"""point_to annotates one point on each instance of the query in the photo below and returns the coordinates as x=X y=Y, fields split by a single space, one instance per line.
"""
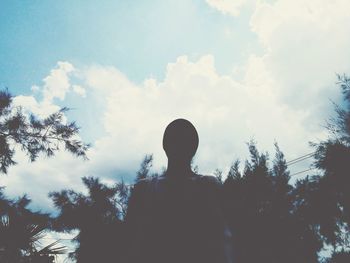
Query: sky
x=237 y=69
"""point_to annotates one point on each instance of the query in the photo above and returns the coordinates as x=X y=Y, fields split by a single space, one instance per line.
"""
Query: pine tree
x=333 y=158
x=33 y=135
x=263 y=214
x=96 y=216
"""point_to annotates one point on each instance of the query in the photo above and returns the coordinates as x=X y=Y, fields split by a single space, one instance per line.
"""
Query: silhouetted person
x=177 y=217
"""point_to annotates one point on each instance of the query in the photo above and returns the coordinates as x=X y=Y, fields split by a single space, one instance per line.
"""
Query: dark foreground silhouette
x=177 y=217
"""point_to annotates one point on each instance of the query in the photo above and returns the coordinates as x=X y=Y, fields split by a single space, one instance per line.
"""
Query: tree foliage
x=262 y=211
x=22 y=232
x=333 y=158
x=33 y=135
x=97 y=217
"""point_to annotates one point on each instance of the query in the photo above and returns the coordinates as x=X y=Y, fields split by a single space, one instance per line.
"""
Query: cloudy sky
x=238 y=69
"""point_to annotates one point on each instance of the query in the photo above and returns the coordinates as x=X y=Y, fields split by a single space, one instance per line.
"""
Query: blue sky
x=137 y=37
x=238 y=70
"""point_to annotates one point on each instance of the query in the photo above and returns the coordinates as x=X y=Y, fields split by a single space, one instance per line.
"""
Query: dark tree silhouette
x=340 y=257
x=263 y=213
x=34 y=135
x=96 y=216
x=123 y=193
x=21 y=233
x=145 y=167
x=333 y=196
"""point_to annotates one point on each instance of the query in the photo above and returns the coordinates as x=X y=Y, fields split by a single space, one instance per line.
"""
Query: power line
x=301 y=158
x=303 y=171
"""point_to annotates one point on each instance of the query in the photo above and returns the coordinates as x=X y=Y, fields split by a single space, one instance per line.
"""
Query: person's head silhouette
x=180 y=143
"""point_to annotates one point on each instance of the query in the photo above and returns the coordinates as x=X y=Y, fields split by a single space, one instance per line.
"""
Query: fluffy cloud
x=231 y=7
x=79 y=90
x=55 y=86
x=226 y=113
x=306 y=43
x=31 y=104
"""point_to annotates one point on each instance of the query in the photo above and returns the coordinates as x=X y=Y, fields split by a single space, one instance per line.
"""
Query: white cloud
x=226 y=113
x=56 y=85
x=35 y=88
x=231 y=7
x=79 y=90
x=39 y=178
x=306 y=45
x=41 y=109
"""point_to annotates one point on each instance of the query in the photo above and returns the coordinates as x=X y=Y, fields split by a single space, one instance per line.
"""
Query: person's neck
x=179 y=170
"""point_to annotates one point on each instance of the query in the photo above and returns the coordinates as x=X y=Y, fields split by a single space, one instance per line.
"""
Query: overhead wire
x=300 y=159
x=304 y=171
